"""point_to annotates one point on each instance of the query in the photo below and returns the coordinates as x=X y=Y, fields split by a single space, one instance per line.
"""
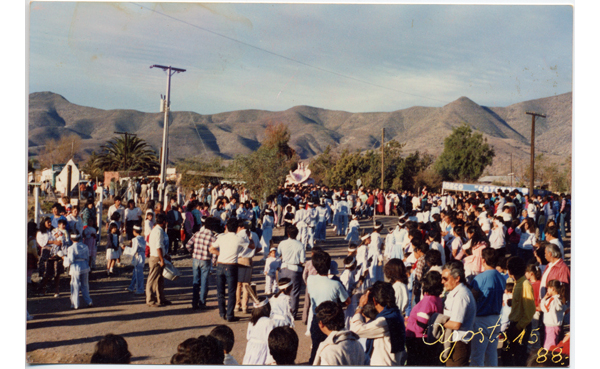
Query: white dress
x=281 y=311
x=257 y=349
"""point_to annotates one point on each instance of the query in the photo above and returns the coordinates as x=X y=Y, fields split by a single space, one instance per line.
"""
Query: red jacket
x=560 y=271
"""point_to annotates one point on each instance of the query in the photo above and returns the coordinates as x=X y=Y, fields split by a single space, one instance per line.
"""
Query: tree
x=465 y=155
x=92 y=167
x=128 y=153
x=264 y=170
x=59 y=151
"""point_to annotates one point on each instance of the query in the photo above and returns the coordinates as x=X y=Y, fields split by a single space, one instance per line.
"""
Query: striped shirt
x=199 y=244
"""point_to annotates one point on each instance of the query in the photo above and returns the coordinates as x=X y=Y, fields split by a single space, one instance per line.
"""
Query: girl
x=113 y=248
x=353 y=234
x=349 y=282
x=272 y=264
x=267 y=231
x=395 y=271
x=148 y=224
x=457 y=242
x=281 y=312
x=89 y=238
x=553 y=306
x=257 y=349
x=527 y=240
x=138 y=245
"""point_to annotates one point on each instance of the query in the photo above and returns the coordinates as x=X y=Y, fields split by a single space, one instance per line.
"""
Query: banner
x=486 y=188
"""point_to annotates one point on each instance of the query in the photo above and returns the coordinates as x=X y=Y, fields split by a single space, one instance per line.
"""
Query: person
x=159 y=245
x=32 y=250
x=204 y=350
x=116 y=208
x=527 y=240
x=249 y=240
x=257 y=348
x=198 y=246
x=395 y=272
x=521 y=315
x=349 y=282
x=50 y=246
x=174 y=223
x=227 y=247
x=293 y=256
x=148 y=223
x=138 y=259
x=461 y=308
x=225 y=335
x=74 y=221
x=556 y=268
x=321 y=288
x=272 y=265
x=78 y=258
x=552 y=237
x=488 y=289
x=111 y=349
x=132 y=216
x=374 y=253
x=386 y=332
x=113 y=248
x=268 y=222
x=283 y=345
x=553 y=305
x=418 y=352
x=89 y=236
x=341 y=347
x=281 y=312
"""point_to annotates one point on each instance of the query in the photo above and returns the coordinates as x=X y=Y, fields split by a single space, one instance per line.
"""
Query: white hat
x=261 y=304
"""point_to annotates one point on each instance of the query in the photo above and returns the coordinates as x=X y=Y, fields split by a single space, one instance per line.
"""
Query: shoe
x=238 y=308
x=91 y=304
x=154 y=305
x=195 y=307
x=128 y=289
x=233 y=319
x=139 y=293
x=56 y=295
x=223 y=317
x=166 y=302
x=245 y=311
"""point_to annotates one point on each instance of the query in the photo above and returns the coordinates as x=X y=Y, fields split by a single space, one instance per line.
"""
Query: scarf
x=395 y=323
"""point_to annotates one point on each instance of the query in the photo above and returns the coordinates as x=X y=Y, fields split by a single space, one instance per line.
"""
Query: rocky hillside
x=508 y=129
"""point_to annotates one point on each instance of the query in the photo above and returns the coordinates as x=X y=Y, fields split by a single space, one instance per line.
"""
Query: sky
x=351 y=57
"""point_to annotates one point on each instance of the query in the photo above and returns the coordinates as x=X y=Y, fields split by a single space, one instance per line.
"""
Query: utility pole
x=167 y=103
x=531 y=173
x=511 y=171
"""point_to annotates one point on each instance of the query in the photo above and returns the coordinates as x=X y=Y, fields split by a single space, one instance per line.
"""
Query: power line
x=285 y=57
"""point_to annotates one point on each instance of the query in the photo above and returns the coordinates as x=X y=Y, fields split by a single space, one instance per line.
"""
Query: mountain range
x=507 y=129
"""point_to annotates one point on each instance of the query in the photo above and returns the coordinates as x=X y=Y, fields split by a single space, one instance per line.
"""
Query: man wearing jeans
x=227 y=247
x=199 y=246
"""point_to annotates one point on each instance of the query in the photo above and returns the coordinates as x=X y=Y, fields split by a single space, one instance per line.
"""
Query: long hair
x=258 y=313
x=561 y=288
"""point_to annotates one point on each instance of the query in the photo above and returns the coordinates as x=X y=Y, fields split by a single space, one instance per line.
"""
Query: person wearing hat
x=138 y=246
x=342 y=209
x=322 y=219
x=77 y=258
x=353 y=235
x=374 y=253
x=300 y=221
x=311 y=221
x=281 y=312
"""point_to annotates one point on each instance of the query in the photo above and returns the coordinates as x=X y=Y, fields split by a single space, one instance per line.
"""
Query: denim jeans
x=200 y=268
x=226 y=274
x=137 y=279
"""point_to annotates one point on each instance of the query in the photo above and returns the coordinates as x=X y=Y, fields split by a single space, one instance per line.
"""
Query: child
x=353 y=234
x=272 y=265
x=77 y=258
x=506 y=305
x=138 y=244
x=113 y=248
x=281 y=312
x=257 y=349
x=553 y=306
x=349 y=282
x=533 y=274
x=58 y=252
x=225 y=335
x=148 y=224
x=395 y=271
x=89 y=236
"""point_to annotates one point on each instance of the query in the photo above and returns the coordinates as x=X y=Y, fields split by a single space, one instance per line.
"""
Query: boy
x=225 y=335
x=138 y=245
x=77 y=258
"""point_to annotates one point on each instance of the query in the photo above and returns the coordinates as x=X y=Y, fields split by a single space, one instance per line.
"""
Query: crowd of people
x=457 y=277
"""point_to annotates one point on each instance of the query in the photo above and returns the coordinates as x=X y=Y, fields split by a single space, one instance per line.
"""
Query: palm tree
x=128 y=153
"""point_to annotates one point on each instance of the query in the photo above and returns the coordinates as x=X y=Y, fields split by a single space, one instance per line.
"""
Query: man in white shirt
x=227 y=247
x=293 y=256
x=116 y=207
x=461 y=307
x=159 y=244
x=249 y=240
